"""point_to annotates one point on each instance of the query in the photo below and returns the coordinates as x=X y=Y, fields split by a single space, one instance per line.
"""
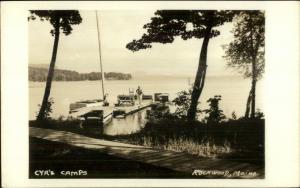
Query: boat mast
x=100 y=58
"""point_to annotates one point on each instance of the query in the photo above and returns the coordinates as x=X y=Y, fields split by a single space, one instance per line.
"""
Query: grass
x=235 y=139
x=189 y=146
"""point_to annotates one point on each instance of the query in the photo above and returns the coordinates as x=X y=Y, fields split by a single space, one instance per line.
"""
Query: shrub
x=182 y=103
x=215 y=115
x=233 y=116
x=48 y=109
x=259 y=114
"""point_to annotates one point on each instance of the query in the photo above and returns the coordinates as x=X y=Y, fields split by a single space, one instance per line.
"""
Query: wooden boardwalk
x=172 y=160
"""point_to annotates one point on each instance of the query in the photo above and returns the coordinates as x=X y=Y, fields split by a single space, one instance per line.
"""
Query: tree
x=168 y=24
x=215 y=115
x=246 y=52
x=60 y=20
x=182 y=103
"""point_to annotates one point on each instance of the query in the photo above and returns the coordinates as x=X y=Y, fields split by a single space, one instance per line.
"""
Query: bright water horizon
x=233 y=89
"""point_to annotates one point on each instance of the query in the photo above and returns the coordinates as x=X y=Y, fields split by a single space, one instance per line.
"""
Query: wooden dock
x=172 y=160
x=107 y=110
x=128 y=110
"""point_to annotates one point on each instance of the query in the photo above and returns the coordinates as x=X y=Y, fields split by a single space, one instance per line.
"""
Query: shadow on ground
x=58 y=157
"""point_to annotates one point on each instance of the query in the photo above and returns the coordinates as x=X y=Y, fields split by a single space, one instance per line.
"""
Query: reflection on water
x=128 y=125
x=234 y=91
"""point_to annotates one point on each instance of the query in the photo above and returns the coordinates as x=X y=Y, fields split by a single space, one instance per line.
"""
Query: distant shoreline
x=154 y=77
x=37 y=74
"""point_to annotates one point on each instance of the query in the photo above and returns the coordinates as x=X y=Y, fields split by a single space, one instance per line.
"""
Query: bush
x=233 y=116
x=182 y=103
x=259 y=114
x=48 y=109
x=215 y=115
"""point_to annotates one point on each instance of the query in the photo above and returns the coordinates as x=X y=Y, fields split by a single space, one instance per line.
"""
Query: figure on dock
x=105 y=102
x=139 y=93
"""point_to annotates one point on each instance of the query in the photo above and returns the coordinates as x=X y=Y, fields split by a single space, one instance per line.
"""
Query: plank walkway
x=172 y=160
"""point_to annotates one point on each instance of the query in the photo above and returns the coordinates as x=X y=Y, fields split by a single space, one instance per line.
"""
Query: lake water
x=234 y=92
x=130 y=124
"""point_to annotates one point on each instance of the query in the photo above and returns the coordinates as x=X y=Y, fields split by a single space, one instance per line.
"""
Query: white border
x=281 y=93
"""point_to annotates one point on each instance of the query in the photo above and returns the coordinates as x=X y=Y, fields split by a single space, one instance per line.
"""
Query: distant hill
x=46 y=66
x=39 y=74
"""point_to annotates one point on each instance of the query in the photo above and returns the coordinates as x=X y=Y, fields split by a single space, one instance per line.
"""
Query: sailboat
x=97 y=110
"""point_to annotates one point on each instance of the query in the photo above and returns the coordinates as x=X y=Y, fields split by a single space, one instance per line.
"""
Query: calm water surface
x=130 y=124
x=234 y=91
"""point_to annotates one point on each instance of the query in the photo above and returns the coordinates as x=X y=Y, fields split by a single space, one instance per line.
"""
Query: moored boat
x=74 y=107
x=93 y=113
x=95 y=120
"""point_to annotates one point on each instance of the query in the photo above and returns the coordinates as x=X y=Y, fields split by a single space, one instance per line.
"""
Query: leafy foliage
x=215 y=115
x=182 y=103
x=61 y=18
x=48 y=109
x=246 y=52
x=233 y=115
x=159 y=111
x=248 y=43
x=259 y=114
x=187 y=24
x=168 y=24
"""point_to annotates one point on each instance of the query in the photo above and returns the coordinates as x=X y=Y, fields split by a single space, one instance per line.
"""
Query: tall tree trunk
x=41 y=114
x=248 y=104
x=201 y=73
x=254 y=72
x=253 y=90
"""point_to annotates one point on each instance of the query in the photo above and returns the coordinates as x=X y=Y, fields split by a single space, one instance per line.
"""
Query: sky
x=79 y=51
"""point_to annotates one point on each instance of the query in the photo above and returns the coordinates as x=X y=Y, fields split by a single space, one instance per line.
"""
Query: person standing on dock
x=139 y=93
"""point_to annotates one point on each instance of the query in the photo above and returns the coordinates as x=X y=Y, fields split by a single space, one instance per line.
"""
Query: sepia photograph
x=150 y=94
x=146 y=94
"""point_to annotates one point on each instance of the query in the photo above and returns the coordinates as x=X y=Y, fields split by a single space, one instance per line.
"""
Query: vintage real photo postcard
x=158 y=93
